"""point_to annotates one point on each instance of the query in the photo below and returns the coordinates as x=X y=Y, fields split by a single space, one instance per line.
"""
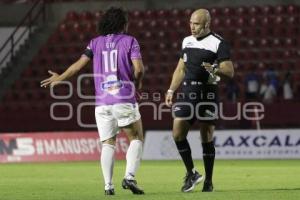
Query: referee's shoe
x=190 y=181
x=207 y=186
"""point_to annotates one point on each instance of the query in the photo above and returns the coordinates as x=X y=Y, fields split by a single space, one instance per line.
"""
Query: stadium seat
x=90 y=27
x=98 y=15
x=140 y=24
x=153 y=24
x=239 y=32
x=254 y=22
x=175 y=14
x=266 y=21
x=229 y=22
x=72 y=16
x=292 y=9
x=135 y=15
x=292 y=20
x=76 y=28
x=150 y=14
x=276 y=42
x=187 y=13
x=267 y=10
x=241 y=11
x=176 y=45
x=216 y=22
x=163 y=14
x=289 y=54
x=228 y=11
x=279 y=21
x=86 y=16
x=251 y=43
x=241 y=22
x=181 y=25
x=280 y=10
x=254 y=11
x=215 y=12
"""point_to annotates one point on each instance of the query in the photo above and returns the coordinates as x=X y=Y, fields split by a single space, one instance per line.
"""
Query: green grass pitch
x=233 y=179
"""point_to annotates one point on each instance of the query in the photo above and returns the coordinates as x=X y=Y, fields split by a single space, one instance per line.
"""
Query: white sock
x=133 y=157
x=107 y=163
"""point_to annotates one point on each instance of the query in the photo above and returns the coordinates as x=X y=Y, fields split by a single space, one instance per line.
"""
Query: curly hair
x=113 y=21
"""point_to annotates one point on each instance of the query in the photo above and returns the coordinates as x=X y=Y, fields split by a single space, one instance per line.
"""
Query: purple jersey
x=112 y=66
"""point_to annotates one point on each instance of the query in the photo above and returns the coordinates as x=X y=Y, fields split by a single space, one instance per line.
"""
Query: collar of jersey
x=201 y=38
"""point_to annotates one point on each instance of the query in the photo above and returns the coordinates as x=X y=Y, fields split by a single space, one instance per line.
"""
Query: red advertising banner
x=56 y=146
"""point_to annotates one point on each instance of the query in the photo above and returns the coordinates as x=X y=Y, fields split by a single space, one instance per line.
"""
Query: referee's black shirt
x=210 y=49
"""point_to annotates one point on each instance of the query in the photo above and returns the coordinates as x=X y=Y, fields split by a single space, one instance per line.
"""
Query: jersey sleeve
x=88 y=52
x=223 y=52
x=135 y=50
x=182 y=47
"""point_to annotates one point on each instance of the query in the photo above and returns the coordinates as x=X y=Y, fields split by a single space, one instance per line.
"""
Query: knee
x=180 y=129
x=111 y=141
x=207 y=132
x=136 y=137
x=177 y=136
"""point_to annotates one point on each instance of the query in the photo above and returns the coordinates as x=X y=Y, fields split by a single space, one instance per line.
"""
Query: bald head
x=201 y=15
x=200 y=22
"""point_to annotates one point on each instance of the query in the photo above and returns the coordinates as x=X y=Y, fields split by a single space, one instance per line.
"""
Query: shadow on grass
x=262 y=189
x=196 y=192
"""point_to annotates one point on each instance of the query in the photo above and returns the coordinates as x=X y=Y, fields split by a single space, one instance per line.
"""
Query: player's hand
x=169 y=98
x=52 y=80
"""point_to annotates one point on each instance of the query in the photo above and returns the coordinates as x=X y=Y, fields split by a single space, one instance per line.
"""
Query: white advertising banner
x=230 y=144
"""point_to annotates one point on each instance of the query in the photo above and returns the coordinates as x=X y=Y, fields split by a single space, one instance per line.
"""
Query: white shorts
x=110 y=117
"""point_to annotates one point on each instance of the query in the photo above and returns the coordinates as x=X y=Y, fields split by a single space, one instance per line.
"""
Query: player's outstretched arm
x=138 y=68
x=55 y=78
x=177 y=78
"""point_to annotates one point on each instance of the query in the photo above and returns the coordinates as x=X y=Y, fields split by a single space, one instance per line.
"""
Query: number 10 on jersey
x=110 y=59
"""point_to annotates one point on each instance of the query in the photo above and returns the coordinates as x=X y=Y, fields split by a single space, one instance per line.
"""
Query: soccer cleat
x=207 y=186
x=132 y=185
x=109 y=192
x=109 y=189
x=190 y=180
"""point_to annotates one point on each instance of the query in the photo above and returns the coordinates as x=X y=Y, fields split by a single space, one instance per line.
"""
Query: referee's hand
x=208 y=67
x=169 y=97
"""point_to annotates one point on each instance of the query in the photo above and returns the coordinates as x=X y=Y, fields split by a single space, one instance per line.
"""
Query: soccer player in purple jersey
x=118 y=71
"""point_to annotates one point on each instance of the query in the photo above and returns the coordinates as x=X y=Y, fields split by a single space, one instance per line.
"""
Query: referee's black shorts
x=197 y=101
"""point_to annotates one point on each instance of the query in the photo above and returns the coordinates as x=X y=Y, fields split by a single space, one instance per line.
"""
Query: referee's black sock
x=186 y=154
x=208 y=159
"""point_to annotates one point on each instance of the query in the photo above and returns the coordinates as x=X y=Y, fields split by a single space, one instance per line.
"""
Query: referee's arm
x=177 y=78
x=178 y=75
x=225 y=69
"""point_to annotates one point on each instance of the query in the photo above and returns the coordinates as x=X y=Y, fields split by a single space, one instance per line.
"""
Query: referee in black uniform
x=204 y=59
